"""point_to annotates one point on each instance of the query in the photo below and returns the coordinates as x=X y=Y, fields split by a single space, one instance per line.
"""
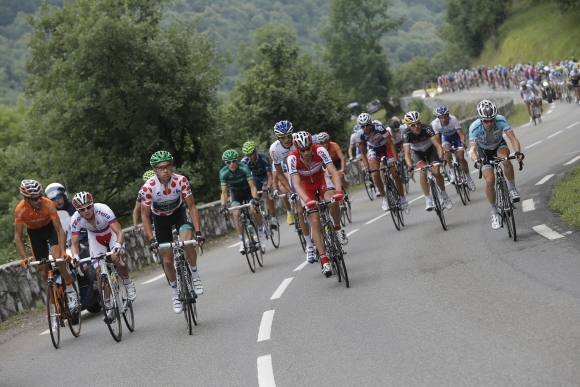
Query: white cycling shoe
x=177 y=305
x=495 y=223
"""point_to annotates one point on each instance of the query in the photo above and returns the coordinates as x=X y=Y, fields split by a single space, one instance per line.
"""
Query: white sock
x=174 y=287
x=444 y=194
x=194 y=273
x=308 y=241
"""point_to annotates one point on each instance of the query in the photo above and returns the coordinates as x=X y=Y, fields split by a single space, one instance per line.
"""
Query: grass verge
x=565 y=198
x=519 y=116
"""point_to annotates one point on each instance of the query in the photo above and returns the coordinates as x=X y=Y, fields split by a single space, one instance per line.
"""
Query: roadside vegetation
x=565 y=198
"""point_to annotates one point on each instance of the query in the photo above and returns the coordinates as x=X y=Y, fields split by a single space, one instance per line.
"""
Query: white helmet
x=486 y=110
x=302 y=140
x=323 y=137
x=54 y=189
x=364 y=119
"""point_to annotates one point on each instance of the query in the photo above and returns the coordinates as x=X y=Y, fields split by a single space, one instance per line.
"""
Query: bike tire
x=370 y=189
x=507 y=211
x=128 y=315
x=394 y=206
x=342 y=210
x=405 y=176
x=187 y=315
x=52 y=314
x=348 y=208
x=115 y=327
x=459 y=183
x=327 y=232
x=339 y=258
x=185 y=291
x=247 y=242
x=75 y=329
x=257 y=251
x=275 y=236
x=437 y=203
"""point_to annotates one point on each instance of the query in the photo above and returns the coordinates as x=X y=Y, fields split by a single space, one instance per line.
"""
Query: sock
x=337 y=227
x=194 y=273
x=324 y=259
x=494 y=209
x=174 y=287
x=260 y=229
x=127 y=280
x=511 y=184
x=444 y=194
x=308 y=241
x=288 y=212
x=403 y=199
x=428 y=198
x=69 y=287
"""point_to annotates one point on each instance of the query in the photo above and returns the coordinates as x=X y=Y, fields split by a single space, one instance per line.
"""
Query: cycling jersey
x=104 y=217
x=25 y=214
x=489 y=140
x=376 y=138
x=165 y=201
x=353 y=142
x=421 y=141
x=261 y=167
x=279 y=154
x=237 y=180
x=309 y=174
x=398 y=136
x=448 y=130
x=527 y=94
x=333 y=149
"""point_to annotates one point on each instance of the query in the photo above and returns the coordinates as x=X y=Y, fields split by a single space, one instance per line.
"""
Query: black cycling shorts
x=40 y=239
x=427 y=156
x=162 y=225
x=337 y=164
x=240 y=197
x=489 y=154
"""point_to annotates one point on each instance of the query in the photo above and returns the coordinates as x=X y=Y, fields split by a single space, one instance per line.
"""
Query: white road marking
x=265 y=372
x=352 y=232
x=573 y=160
x=575 y=123
x=547 y=232
x=536 y=143
x=377 y=218
x=153 y=279
x=301 y=266
x=278 y=293
x=555 y=134
x=528 y=124
x=266 y=326
x=528 y=205
x=545 y=179
x=568 y=232
x=234 y=245
x=46 y=332
x=414 y=200
x=550 y=111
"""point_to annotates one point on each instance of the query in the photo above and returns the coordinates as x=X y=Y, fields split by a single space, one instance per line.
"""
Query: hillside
x=534 y=31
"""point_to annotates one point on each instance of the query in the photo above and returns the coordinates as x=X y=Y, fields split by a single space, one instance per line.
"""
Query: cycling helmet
x=54 y=189
x=249 y=147
x=530 y=82
x=302 y=140
x=283 y=128
x=546 y=68
x=323 y=137
x=364 y=119
x=356 y=128
x=82 y=199
x=434 y=112
x=148 y=175
x=412 y=117
x=523 y=83
x=486 y=110
x=159 y=157
x=230 y=154
x=394 y=124
x=442 y=110
x=30 y=187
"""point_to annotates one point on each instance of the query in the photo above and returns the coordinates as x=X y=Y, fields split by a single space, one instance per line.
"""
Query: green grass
x=519 y=116
x=534 y=31
x=565 y=198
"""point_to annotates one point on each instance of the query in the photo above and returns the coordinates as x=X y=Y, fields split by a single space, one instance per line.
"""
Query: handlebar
x=45 y=260
x=497 y=160
x=169 y=245
x=426 y=167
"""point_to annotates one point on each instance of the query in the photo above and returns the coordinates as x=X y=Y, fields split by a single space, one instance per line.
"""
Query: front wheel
x=111 y=311
x=128 y=315
x=74 y=316
x=435 y=196
x=248 y=243
x=52 y=314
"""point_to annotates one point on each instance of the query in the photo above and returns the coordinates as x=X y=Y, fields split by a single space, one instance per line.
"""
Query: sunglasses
x=415 y=124
x=285 y=137
x=35 y=199
x=85 y=208
x=365 y=126
x=57 y=197
x=488 y=121
x=231 y=162
x=305 y=150
x=163 y=167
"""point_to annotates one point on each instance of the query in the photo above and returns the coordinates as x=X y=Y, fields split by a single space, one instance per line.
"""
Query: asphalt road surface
x=426 y=307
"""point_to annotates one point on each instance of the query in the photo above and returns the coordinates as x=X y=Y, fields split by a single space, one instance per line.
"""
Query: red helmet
x=82 y=199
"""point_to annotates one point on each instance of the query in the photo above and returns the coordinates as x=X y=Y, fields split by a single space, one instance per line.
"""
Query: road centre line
x=278 y=293
x=575 y=123
x=547 y=232
x=153 y=279
x=378 y=217
x=550 y=111
x=352 y=232
x=266 y=325
x=234 y=245
x=545 y=179
x=414 y=200
x=528 y=205
x=301 y=266
x=265 y=372
x=555 y=134
x=536 y=143
x=573 y=160
x=528 y=124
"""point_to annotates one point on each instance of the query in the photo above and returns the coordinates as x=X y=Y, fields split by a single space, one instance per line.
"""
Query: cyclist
x=40 y=217
x=486 y=135
x=306 y=166
x=137 y=209
x=448 y=127
x=423 y=146
x=259 y=165
x=336 y=156
x=279 y=151
x=379 y=144
x=353 y=151
x=574 y=78
x=104 y=232
x=57 y=193
x=168 y=196
x=529 y=95
x=278 y=187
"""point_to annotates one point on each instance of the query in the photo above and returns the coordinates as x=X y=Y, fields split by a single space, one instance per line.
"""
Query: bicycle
x=113 y=289
x=460 y=178
x=435 y=192
x=345 y=208
x=297 y=228
x=369 y=185
x=392 y=194
x=250 y=240
x=271 y=233
x=503 y=202
x=536 y=112
x=57 y=309
x=185 y=289
x=404 y=172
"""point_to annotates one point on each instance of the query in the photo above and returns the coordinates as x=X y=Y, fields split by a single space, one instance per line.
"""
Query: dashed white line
x=265 y=372
x=547 y=232
x=153 y=279
x=377 y=218
x=278 y=293
x=573 y=160
x=301 y=266
x=575 y=123
x=528 y=205
x=266 y=325
x=352 y=232
x=236 y=244
x=545 y=179
x=528 y=124
x=555 y=134
x=414 y=200
x=536 y=143
x=550 y=111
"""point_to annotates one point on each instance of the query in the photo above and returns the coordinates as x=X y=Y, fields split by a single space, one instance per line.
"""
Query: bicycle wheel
x=114 y=324
x=329 y=235
x=342 y=210
x=393 y=202
x=185 y=291
x=258 y=252
x=128 y=315
x=437 y=202
x=74 y=316
x=507 y=210
x=348 y=209
x=248 y=247
x=52 y=314
x=275 y=236
x=370 y=188
x=405 y=174
x=459 y=183
x=340 y=265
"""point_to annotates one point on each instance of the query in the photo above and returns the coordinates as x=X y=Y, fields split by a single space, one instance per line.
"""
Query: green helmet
x=249 y=147
x=159 y=157
x=230 y=154
x=148 y=175
x=435 y=112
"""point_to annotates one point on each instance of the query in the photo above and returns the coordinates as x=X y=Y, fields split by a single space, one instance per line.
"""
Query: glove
x=119 y=248
x=136 y=229
x=75 y=260
x=518 y=154
x=255 y=202
x=340 y=172
x=276 y=194
x=352 y=159
x=65 y=256
x=24 y=263
x=223 y=208
x=153 y=245
x=199 y=237
x=311 y=204
x=293 y=196
x=338 y=196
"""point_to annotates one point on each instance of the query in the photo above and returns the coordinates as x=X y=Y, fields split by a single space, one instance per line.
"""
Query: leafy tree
x=353 y=46
x=11 y=123
x=250 y=55
x=413 y=75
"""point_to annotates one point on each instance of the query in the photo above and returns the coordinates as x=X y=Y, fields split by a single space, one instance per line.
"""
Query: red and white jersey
x=104 y=217
x=314 y=172
x=165 y=201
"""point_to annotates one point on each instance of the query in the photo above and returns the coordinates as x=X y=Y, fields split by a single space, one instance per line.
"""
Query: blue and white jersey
x=354 y=141
x=489 y=140
x=448 y=130
x=279 y=154
x=376 y=138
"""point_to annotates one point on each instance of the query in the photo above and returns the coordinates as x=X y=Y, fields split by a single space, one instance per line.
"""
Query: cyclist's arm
x=391 y=145
x=224 y=195
x=331 y=170
x=136 y=212
x=473 y=150
x=282 y=178
x=60 y=232
x=515 y=142
x=74 y=246
x=270 y=180
x=350 y=151
x=299 y=190
x=437 y=144
x=253 y=189
x=193 y=212
x=363 y=153
x=18 y=233
x=116 y=228
x=342 y=159
x=461 y=135
x=147 y=229
x=408 y=158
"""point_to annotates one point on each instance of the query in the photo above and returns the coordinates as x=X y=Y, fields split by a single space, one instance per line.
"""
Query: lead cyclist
x=168 y=196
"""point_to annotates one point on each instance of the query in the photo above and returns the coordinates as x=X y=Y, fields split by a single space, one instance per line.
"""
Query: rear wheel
x=113 y=323
x=52 y=314
x=248 y=248
x=370 y=187
x=128 y=315
x=74 y=316
x=435 y=195
x=394 y=207
x=275 y=235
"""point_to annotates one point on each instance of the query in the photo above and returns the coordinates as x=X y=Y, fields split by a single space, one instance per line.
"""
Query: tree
x=353 y=46
x=110 y=86
x=413 y=75
x=251 y=55
x=286 y=86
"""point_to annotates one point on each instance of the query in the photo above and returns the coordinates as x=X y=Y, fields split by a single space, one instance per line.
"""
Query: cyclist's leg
x=419 y=160
x=395 y=174
x=508 y=167
x=37 y=243
x=376 y=176
x=314 y=219
x=488 y=175
x=528 y=107
x=163 y=234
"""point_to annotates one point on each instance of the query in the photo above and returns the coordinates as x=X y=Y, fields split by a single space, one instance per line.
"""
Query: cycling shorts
x=376 y=153
x=38 y=238
x=240 y=197
x=337 y=164
x=574 y=82
x=452 y=140
x=489 y=154
x=261 y=182
x=420 y=158
x=321 y=186
x=162 y=224
x=101 y=244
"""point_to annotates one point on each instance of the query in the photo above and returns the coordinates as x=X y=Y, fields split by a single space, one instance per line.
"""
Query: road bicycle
x=503 y=202
x=185 y=289
x=250 y=240
x=57 y=310
x=345 y=208
x=272 y=231
x=536 y=112
x=460 y=178
x=392 y=194
x=435 y=192
x=369 y=185
x=404 y=172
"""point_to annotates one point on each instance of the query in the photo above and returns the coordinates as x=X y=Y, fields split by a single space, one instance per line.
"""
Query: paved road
x=426 y=307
